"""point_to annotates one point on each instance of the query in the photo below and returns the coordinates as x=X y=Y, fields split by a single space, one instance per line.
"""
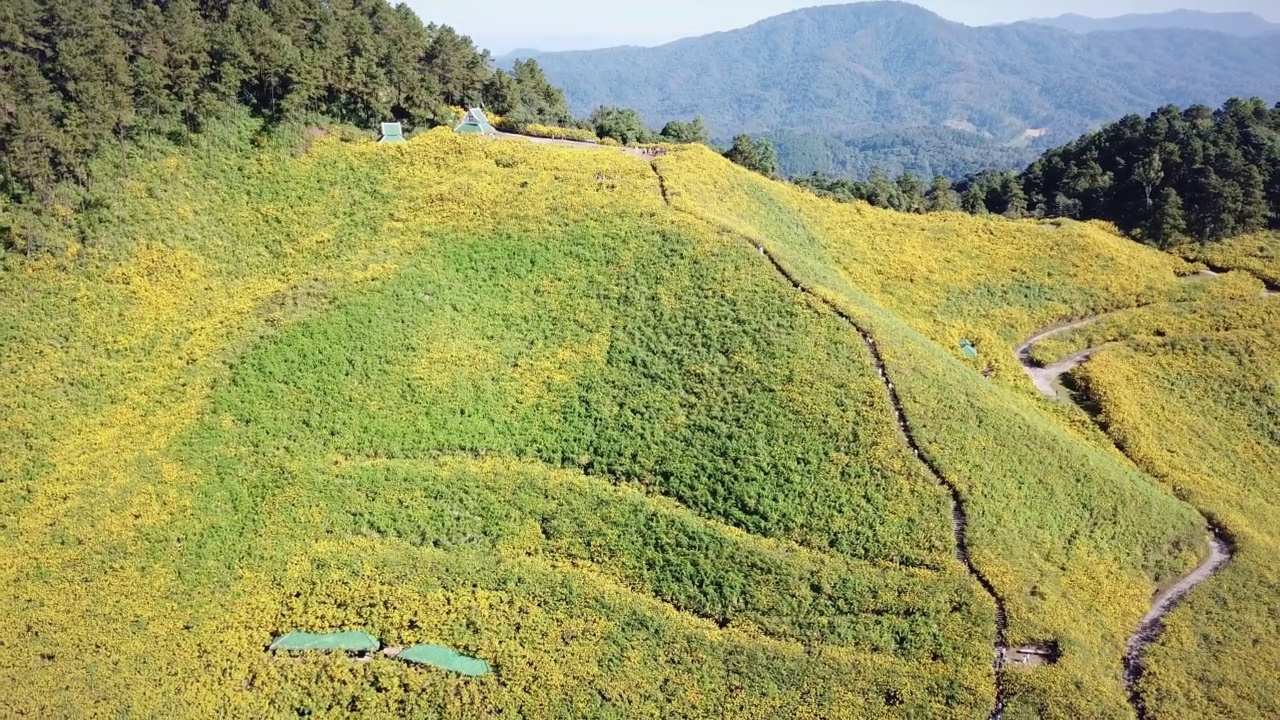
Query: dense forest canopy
x=1194 y=173
x=79 y=76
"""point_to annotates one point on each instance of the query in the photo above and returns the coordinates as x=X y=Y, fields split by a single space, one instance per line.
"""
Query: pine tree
x=1168 y=222
x=540 y=100
x=621 y=124
x=460 y=70
x=973 y=200
x=756 y=155
x=677 y=131
x=910 y=194
x=90 y=70
x=186 y=67
x=941 y=197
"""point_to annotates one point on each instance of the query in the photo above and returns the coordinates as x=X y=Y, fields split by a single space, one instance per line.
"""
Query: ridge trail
x=959 y=518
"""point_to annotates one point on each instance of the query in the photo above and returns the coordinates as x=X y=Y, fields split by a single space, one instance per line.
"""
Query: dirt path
x=1151 y=627
x=1047 y=380
x=638 y=152
x=959 y=518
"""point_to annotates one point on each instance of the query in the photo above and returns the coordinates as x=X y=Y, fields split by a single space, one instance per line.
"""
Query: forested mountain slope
x=552 y=408
x=849 y=71
x=1178 y=175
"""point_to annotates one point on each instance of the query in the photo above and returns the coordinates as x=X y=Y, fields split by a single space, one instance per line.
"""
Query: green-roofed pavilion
x=391 y=133
x=476 y=123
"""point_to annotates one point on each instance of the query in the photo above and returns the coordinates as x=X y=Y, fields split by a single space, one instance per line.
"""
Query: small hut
x=475 y=122
x=391 y=133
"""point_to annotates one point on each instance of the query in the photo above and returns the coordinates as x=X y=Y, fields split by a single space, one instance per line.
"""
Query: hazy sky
x=504 y=25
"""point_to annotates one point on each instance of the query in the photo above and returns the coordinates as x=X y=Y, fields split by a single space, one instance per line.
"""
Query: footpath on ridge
x=959 y=517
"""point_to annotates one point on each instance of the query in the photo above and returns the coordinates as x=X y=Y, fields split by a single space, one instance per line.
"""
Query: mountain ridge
x=848 y=71
x=1245 y=24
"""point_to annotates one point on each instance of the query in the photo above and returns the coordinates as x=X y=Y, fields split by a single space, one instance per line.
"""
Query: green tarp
x=968 y=348
x=443 y=657
x=351 y=641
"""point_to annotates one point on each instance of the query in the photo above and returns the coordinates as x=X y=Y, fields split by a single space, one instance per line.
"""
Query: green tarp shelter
x=391 y=133
x=443 y=657
x=968 y=348
x=351 y=641
x=476 y=123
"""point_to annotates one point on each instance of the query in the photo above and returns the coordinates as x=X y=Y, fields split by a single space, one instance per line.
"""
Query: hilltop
x=563 y=410
x=1231 y=23
x=848 y=88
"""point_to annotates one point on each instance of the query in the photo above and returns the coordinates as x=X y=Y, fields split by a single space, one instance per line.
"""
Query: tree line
x=1180 y=174
x=80 y=77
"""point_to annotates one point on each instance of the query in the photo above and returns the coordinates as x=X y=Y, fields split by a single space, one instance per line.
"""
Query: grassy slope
x=510 y=401
x=186 y=491
x=1073 y=537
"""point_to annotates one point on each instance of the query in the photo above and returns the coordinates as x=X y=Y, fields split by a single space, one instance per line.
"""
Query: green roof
x=474 y=122
x=443 y=657
x=350 y=641
x=391 y=132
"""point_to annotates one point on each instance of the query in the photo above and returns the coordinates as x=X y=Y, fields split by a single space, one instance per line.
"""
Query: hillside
x=846 y=72
x=1243 y=24
x=564 y=410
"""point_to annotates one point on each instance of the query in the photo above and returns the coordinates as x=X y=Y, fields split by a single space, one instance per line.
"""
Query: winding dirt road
x=1048 y=380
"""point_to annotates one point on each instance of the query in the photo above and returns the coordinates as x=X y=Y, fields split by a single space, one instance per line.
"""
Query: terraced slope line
x=1220 y=551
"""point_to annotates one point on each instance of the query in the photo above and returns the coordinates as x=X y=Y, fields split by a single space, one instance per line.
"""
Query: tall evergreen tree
x=941 y=197
x=757 y=155
x=1168 y=222
x=910 y=194
x=456 y=64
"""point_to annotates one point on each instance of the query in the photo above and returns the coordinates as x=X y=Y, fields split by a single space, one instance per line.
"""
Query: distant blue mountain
x=1231 y=23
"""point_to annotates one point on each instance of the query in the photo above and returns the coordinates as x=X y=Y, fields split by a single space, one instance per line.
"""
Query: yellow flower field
x=551 y=408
